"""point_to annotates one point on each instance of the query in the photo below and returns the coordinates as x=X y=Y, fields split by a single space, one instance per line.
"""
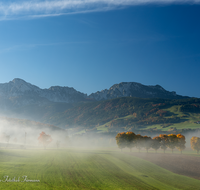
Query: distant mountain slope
x=133 y=89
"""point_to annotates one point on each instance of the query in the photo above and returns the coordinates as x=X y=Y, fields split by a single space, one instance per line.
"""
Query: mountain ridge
x=18 y=93
x=133 y=89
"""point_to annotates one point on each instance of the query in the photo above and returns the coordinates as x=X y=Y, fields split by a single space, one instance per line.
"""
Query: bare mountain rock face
x=133 y=89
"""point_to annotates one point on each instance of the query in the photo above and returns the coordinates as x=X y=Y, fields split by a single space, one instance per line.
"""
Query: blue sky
x=92 y=44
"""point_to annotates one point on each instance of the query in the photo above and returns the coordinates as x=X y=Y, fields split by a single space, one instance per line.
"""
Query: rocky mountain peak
x=18 y=80
x=18 y=85
x=134 y=89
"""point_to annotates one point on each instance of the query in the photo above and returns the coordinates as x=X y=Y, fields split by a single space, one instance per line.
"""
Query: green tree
x=139 y=142
x=195 y=143
x=156 y=143
x=147 y=141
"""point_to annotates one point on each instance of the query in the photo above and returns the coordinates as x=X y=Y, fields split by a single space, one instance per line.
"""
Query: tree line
x=131 y=140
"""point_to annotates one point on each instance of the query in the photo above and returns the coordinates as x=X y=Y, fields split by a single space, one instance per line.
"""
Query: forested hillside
x=128 y=113
x=120 y=114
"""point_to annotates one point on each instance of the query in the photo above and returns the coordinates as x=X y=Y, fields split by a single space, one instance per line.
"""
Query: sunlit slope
x=75 y=169
x=131 y=113
x=127 y=113
x=187 y=119
x=176 y=119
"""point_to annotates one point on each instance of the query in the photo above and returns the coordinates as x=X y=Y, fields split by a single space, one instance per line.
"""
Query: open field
x=86 y=169
x=188 y=165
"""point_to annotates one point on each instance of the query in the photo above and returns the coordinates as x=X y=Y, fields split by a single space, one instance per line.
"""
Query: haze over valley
x=127 y=106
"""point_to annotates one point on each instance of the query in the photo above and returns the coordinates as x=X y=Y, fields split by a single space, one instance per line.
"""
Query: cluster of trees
x=130 y=140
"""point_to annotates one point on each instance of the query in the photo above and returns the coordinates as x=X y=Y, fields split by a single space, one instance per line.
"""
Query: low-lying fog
x=23 y=136
x=16 y=136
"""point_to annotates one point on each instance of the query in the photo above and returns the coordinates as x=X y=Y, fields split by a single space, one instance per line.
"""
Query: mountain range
x=18 y=93
x=124 y=106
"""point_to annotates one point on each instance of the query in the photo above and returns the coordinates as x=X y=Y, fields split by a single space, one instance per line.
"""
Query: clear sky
x=92 y=44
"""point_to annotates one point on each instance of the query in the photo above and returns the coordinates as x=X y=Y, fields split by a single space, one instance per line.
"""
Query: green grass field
x=86 y=169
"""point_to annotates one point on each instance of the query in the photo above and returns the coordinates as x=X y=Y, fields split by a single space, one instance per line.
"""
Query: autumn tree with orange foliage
x=164 y=142
x=121 y=140
x=195 y=143
x=180 y=142
x=44 y=139
x=131 y=139
x=172 y=141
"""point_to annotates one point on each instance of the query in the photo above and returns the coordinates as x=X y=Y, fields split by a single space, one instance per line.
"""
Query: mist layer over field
x=15 y=133
x=85 y=169
x=21 y=134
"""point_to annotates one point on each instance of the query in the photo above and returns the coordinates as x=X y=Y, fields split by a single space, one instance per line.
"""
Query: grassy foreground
x=84 y=169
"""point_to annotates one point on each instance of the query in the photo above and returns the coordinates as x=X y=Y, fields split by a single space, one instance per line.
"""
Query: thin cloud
x=23 y=47
x=44 y=8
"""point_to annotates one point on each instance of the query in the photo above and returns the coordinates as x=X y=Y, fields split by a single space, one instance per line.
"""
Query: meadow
x=85 y=169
